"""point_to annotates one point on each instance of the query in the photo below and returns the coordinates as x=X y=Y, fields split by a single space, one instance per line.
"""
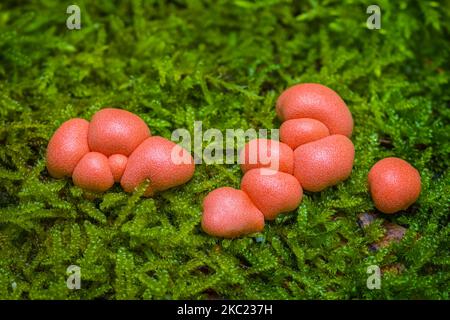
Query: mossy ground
x=224 y=63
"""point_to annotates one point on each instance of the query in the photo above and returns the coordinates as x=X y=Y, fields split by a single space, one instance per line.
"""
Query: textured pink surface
x=264 y=153
x=93 y=173
x=152 y=160
x=324 y=162
x=117 y=164
x=296 y=132
x=66 y=147
x=316 y=101
x=230 y=213
x=115 y=131
x=394 y=185
x=273 y=193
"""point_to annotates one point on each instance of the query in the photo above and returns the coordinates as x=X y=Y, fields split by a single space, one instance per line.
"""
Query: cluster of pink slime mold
x=116 y=146
x=315 y=152
x=394 y=184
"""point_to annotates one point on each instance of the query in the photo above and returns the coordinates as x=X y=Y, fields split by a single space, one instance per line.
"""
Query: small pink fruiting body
x=93 y=173
x=394 y=184
x=296 y=132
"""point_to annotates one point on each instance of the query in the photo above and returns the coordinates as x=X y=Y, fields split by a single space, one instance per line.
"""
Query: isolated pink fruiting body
x=272 y=192
x=394 y=184
x=323 y=163
x=266 y=153
x=66 y=147
x=116 y=131
x=296 y=132
x=93 y=173
x=153 y=160
x=316 y=101
x=230 y=213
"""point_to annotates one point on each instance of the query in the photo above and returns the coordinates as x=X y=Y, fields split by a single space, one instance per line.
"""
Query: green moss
x=225 y=64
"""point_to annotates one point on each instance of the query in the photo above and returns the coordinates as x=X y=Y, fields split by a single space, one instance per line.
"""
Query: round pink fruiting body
x=272 y=192
x=93 y=173
x=229 y=213
x=117 y=164
x=116 y=131
x=295 y=132
x=394 y=184
x=66 y=147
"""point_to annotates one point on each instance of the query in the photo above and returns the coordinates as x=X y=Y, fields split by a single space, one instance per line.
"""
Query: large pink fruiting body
x=265 y=153
x=324 y=162
x=116 y=131
x=296 y=132
x=93 y=173
x=316 y=101
x=230 y=213
x=153 y=160
x=394 y=185
x=66 y=147
x=272 y=193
